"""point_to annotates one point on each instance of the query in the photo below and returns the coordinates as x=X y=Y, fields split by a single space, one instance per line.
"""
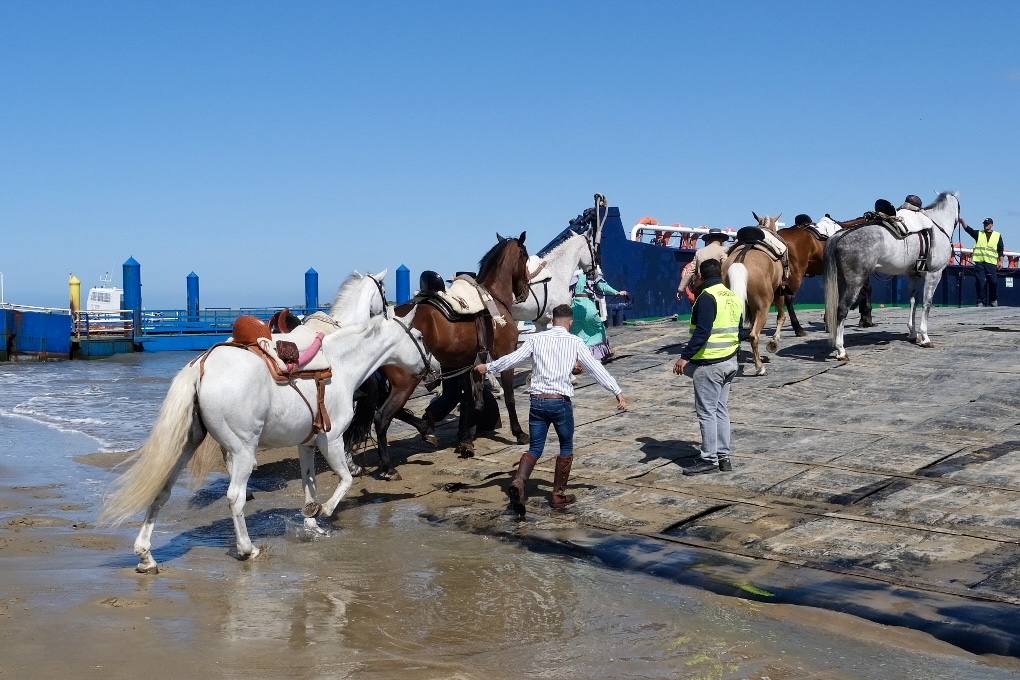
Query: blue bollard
x=192 y=296
x=403 y=284
x=132 y=278
x=311 y=291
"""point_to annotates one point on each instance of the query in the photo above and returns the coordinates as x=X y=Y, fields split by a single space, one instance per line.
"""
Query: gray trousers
x=711 y=403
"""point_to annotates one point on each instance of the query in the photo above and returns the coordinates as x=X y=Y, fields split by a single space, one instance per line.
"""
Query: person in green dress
x=588 y=323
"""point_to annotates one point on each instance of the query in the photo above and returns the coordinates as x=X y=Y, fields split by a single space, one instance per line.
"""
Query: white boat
x=105 y=297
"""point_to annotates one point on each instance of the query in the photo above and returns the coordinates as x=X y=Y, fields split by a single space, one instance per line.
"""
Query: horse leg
x=864 y=305
x=312 y=509
x=773 y=344
x=143 y=542
x=756 y=330
x=337 y=459
x=794 y=321
x=911 y=318
x=242 y=462
x=507 y=378
x=466 y=423
x=398 y=397
x=931 y=282
x=850 y=290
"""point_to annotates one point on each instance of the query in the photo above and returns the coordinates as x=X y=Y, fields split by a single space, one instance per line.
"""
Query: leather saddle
x=884 y=215
x=759 y=239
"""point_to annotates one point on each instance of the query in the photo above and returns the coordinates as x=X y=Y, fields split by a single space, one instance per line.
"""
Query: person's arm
x=703 y=316
x=606 y=289
x=509 y=361
x=1002 y=247
x=973 y=233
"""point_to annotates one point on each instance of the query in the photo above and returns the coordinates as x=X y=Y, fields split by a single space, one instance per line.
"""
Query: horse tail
x=159 y=459
x=831 y=289
x=737 y=274
x=373 y=393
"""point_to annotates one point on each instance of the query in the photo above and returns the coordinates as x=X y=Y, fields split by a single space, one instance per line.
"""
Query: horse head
x=767 y=222
x=509 y=257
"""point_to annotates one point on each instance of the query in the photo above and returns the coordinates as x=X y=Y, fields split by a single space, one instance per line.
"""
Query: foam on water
x=112 y=401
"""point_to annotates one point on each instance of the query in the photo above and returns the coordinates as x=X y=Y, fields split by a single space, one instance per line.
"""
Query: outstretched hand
x=621 y=403
x=482 y=369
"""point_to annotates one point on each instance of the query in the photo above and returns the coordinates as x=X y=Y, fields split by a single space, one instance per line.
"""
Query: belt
x=550 y=395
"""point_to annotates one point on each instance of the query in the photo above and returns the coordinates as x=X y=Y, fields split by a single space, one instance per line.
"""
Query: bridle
x=426 y=357
x=381 y=287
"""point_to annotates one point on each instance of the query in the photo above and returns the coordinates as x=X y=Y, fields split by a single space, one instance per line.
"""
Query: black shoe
x=725 y=465
x=700 y=468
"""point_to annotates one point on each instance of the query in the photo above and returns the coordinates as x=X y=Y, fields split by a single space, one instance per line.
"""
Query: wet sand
x=388 y=595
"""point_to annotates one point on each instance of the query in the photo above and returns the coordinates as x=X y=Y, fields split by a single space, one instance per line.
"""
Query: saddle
x=885 y=216
x=466 y=298
x=283 y=321
x=288 y=357
x=760 y=239
x=823 y=229
x=537 y=270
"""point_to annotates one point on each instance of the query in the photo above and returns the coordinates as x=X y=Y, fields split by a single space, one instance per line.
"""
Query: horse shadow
x=678 y=451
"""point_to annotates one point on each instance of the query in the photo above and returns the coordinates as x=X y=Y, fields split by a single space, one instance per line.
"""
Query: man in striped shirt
x=554 y=354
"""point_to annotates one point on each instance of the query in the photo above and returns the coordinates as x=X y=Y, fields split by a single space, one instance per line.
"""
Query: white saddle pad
x=321 y=322
x=774 y=242
x=463 y=297
x=913 y=221
x=301 y=336
x=827 y=226
x=535 y=264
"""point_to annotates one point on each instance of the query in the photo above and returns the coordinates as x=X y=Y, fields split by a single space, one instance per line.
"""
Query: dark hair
x=563 y=312
x=710 y=269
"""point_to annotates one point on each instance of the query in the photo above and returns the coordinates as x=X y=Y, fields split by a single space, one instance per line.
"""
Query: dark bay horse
x=503 y=272
x=807 y=258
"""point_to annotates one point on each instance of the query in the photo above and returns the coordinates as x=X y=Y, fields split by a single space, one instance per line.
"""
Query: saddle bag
x=288 y=351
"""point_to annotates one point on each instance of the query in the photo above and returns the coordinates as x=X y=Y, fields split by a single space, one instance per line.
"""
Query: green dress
x=587 y=323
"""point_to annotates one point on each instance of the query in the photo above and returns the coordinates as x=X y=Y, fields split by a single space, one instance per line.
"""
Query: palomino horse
x=242 y=408
x=756 y=278
x=560 y=263
x=853 y=254
x=807 y=258
x=503 y=271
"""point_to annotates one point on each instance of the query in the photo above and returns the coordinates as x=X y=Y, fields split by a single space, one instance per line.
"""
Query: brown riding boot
x=518 y=486
x=560 y=498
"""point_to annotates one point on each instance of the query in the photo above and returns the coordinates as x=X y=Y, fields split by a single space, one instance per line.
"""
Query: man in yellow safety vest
x=710 y=359
x=988 y=249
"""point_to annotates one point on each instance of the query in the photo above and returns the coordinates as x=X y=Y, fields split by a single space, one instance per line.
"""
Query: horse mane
x=942 y=198
x=346 y=290
x=559 y=242
x=491 y=259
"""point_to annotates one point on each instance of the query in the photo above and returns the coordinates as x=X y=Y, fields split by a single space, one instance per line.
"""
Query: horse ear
x=524 y=235
x=382 y=275
x=499 y=237
x=755 y=216
x=778 y=216
x=357 y=274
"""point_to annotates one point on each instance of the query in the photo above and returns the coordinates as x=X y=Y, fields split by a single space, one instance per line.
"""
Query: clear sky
x=248 y=141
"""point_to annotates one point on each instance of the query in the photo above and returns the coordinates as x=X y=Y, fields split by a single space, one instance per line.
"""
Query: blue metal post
x=132 y=277
x=311 y=290
x=403 y=284
x=192 y=296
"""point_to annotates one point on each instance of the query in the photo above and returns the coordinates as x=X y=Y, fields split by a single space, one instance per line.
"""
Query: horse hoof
x=926 y=345
x=800 y=333
x=430 y=439
x=523 y=438
x=150 y=569
x=311 y=510
x=761 y=371
x=357 y=470
x=464 y=451
x=843 y=358
x=773 y=346
x=390 y=476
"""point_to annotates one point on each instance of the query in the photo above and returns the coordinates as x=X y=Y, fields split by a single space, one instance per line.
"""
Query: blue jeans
x=556 y=412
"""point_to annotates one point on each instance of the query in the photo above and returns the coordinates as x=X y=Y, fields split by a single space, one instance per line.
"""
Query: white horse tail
x=831 y=289
x=737 y=274
x=160 y=457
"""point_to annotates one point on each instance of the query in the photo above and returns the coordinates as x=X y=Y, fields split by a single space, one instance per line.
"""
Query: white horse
x=239 y=404
x=852 y=255
x=553 y=286
x=360 y=297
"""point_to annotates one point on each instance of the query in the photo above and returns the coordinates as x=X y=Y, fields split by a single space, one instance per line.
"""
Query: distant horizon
x=250 y=142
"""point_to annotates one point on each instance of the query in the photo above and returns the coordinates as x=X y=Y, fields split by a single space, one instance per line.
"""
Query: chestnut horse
x=502 y=271
x=756 y=278
x=807 y=258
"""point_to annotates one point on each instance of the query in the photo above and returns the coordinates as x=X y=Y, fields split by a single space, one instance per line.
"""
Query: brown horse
x=503 y=272
x=807 y=258
x=756 y=278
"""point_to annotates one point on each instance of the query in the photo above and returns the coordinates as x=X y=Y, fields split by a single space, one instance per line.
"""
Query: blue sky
x=249 y=141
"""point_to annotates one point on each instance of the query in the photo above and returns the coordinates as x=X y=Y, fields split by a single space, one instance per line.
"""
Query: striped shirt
x=554 y=354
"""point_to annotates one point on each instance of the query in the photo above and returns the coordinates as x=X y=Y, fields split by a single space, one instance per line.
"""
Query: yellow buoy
x=74 y=289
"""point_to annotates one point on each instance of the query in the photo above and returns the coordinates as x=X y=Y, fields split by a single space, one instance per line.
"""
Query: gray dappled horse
x=852 y=255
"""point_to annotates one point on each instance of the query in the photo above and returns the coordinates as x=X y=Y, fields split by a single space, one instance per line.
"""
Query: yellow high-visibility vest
x=987 y=248
x=725 y=337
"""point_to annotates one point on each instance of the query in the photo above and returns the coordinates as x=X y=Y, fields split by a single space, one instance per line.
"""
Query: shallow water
x=388 y=595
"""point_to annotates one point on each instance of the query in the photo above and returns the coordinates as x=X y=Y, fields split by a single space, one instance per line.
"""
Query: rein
x=382 y=294
x=425 y=358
